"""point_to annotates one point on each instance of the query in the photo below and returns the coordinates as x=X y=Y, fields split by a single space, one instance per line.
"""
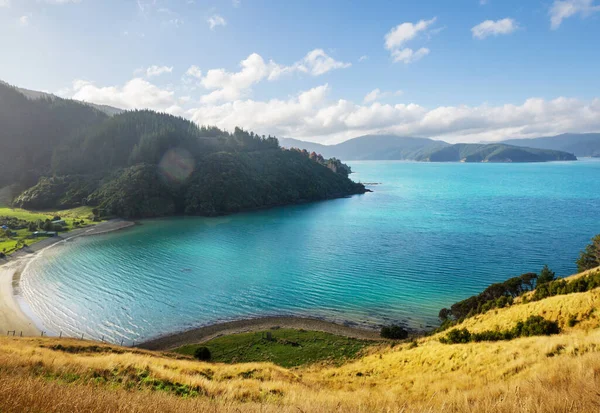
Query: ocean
x=428 y=235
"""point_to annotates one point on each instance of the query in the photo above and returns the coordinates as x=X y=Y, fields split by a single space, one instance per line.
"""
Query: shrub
x=202 y=354
x=457 y=336
x=546 y=276
x=536 y=326
x=394 y=332
x=533 y=326
x=590 y=256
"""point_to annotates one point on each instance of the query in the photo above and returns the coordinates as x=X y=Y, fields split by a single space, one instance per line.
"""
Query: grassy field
x=286 y=348
x=559 y=373
x=8 y=245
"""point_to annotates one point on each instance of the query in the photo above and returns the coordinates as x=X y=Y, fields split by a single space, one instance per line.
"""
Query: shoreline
x=206 y=333
x=12 y=315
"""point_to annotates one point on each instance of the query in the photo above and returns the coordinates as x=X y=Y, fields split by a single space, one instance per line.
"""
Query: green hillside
x=147 y=164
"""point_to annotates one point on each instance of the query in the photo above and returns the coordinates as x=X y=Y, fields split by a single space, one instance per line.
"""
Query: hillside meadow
x=559 y=373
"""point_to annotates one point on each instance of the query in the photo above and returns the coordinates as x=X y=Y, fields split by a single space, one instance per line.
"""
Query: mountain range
x=392 y=147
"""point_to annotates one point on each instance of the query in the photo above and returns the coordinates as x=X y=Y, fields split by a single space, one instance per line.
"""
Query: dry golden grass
x=538 y=374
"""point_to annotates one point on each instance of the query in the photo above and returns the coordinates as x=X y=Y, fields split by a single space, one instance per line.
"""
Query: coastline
x=12 y=316
x=206 y=333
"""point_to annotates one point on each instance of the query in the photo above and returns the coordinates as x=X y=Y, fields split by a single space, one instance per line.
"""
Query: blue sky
x=463 y=70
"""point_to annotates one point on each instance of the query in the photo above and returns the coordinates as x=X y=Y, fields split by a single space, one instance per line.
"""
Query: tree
x=546 y=276
x=48 y=226
x=32 y=227
x=394 y=332
x=590 y=257
x=202 y=354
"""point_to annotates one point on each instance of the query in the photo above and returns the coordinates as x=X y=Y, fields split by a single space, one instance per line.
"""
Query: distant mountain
x=391 y=147
x=470 y=152
x=33 y=94
x=584 y=144
x=371 y=147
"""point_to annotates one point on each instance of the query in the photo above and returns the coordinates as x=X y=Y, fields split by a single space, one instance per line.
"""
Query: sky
x=322 y=71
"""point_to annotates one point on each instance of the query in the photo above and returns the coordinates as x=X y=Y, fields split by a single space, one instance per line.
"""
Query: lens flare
x=176 y=165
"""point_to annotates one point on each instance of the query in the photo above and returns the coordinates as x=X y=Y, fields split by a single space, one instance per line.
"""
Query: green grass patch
x=9 y=244
x=285 y=347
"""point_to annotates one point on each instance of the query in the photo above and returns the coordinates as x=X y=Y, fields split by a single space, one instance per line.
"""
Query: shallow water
x=429 y=235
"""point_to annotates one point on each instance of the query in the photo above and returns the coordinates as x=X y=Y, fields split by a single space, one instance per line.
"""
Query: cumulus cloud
x=396 y=39
x=563 y=9
x=136 y=94
x=363 y=58
x=377 y=94
x=215 y=21
x=312 y=115
x=24 y=20
x=158 y=70
x=194 y=71
x=229 y=86
x=494 y=28
x=4 y=3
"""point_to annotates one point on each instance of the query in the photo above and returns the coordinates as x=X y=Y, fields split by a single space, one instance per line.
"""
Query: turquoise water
x=429 y=235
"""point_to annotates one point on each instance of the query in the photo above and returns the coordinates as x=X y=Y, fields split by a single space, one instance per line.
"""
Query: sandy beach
x=202 y=334
x=12 y=317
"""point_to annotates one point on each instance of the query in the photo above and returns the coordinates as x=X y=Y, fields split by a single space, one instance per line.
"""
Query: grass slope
x=286 y=348
x=558 y=373
x=8 y=245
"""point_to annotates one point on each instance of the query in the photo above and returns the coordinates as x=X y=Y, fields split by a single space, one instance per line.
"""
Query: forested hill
x=30 y=129
x=147 y=164
x=391 y=147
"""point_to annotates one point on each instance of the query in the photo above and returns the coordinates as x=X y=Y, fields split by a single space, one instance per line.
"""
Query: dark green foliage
x=496 y=295
x=57 y=192
x=546 y=276
x=146 y=164
x=394 y=332
x=457 y=336
x=560 y=287
x=533 y=326
x=202 y=354
x=32 y=128
x=232 y=182
x=590 y=256
x=138 y=191
x=536 y=326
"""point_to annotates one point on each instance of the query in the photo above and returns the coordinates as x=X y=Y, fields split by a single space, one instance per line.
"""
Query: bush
x=202 y=354
x=546 y=276
x=536 y=326
x=590 y=256
x=533 y=326
x=394 y=332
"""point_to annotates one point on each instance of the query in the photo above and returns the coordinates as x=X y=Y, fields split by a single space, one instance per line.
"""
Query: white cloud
x=158 y=70
x=311 y=115
x=229 y=86
x=317 y=63
x=396 y=39
x=363 y=58
x=409 y=55
x=236 y=3
x=4 y=3
x=215 y=21
x=494 y=28
x=194 y=71
x=377 y=94
x=24 y=20
x=135 y=94
x=405 y=32
x=563 y=9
